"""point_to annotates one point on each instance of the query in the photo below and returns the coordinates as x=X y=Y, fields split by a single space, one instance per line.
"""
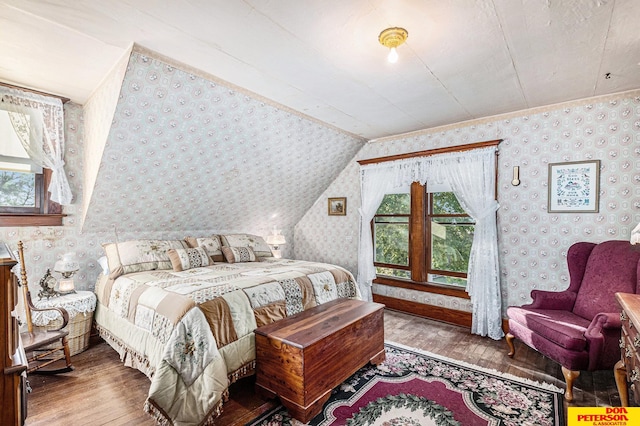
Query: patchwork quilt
x=191 y=332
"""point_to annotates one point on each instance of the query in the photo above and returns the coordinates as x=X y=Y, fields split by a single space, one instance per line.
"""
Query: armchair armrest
x=63 y=312
x=560 y=300
x=605 y=320
x=601 y=336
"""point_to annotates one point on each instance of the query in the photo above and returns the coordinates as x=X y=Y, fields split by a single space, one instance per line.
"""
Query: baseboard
x=438 y=313
x=451 y=316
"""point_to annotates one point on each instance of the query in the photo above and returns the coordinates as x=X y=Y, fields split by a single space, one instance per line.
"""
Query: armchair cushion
x=562 y=300
x=563 y=328
x=611 y=268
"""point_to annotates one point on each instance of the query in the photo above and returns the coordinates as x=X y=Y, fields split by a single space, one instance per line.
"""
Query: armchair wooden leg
x=512 y=349
x=569 y=377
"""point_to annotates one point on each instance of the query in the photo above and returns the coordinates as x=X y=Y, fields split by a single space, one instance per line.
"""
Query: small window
x=391 y=236
x=24 y=199
x=20 y=178
x=451 y=237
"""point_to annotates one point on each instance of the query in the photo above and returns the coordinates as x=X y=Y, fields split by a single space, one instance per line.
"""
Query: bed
x=183 y=312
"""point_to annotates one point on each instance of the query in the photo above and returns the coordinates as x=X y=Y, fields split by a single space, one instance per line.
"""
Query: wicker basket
x=79 y=329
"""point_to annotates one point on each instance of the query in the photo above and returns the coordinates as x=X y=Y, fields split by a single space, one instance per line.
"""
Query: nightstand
x=80 y=306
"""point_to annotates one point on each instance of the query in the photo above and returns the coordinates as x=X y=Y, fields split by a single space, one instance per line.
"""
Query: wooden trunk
x=303 y=357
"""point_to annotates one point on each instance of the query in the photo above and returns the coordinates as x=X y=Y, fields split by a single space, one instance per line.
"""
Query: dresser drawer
x=630 y=355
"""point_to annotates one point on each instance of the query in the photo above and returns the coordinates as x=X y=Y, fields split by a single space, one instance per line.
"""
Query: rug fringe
x=523 y=380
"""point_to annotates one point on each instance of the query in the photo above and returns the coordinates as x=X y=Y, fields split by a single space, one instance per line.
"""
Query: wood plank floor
x=101 y=391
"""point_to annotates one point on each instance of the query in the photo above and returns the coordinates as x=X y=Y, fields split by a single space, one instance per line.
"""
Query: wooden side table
x=80 y=306
x=627 y=370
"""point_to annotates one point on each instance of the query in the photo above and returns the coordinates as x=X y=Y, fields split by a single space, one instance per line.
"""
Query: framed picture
x=338 y=206
x=574 y=187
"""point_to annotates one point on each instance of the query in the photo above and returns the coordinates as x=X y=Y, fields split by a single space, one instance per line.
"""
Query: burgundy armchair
x=579 y=328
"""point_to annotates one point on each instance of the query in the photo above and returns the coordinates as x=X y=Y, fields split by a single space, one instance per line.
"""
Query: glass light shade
x=66 y=286
x=275 y=240
x=393 y=55
x=67 y=265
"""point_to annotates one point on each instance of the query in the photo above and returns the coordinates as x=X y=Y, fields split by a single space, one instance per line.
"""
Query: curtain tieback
x=490 y=209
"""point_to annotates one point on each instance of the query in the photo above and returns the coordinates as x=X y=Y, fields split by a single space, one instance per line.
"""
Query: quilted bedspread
x=192 y=331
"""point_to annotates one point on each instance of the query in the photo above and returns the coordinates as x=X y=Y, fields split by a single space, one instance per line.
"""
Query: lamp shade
x=275 y=239
x=67 y=264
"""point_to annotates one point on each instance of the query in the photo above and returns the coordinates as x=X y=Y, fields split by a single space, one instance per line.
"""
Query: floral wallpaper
x=163 y=152
x=186 y=151
x=533 y=243
x=188 y=155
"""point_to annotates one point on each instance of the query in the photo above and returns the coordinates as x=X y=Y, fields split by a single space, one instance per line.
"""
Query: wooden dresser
x=301 y=358
x=627 y=370
x=12 y=392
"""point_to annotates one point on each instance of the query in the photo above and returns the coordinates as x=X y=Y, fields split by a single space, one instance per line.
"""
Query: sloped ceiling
x=464 y=59
x=187 y=152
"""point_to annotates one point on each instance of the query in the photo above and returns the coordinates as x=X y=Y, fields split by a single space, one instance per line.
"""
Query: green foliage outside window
x=391 y=234
x=451 y=237
x=17 y=189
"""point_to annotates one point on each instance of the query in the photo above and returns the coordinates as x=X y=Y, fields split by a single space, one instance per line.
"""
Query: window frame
x=428 y=219
x=373 y=234
x=420 y=247
x=417 y=237
x=49 y=213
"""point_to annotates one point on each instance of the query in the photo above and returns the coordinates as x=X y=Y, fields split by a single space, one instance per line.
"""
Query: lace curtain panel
x=39 y=122
x=471 y=177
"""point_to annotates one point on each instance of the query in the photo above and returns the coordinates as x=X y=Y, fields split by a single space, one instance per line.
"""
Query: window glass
x=18 y=174
x=391 y=235
x=451 y=239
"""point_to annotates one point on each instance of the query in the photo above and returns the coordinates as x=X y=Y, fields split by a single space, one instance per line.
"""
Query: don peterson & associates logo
x=603 y=416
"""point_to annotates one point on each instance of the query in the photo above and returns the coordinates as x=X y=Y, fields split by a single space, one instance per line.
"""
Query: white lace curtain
x=39 y=123
x=471 y=177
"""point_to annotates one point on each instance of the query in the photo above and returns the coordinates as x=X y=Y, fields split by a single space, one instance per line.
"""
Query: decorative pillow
x=210 y=244
x=139 y=255
x=255 y=242
x=183 y=259
x=238 y=254
x=102 y=261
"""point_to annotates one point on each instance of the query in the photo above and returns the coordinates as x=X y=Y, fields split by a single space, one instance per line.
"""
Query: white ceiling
x=464 y=59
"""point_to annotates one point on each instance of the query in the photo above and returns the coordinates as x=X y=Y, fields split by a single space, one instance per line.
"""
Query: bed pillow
x=102 y=261
x=238 y=254
x=255 y=242
x=210 y=244
x=139 y=255
x=183 y=259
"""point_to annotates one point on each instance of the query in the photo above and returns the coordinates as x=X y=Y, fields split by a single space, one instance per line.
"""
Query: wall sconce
x=276 y=239
x=66 y=267
x=392 y=38
x=516 y=176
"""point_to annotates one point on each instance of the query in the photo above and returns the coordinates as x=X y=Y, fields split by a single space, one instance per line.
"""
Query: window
x=423 y=237
x=24 y=199
x=391 y=235
x=451 y=237
x=20 y=178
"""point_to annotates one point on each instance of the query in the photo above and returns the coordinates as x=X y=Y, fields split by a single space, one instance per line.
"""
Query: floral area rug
x=416 y=388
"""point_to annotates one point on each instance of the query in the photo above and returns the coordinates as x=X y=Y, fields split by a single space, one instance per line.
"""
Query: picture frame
x=337 y=206
x=574 y=187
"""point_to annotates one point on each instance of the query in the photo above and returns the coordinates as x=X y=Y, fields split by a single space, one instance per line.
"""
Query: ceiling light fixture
x=392 y=38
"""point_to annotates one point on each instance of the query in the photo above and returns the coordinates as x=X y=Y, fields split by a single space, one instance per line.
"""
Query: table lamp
x=276 y=239
x=66 y=267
